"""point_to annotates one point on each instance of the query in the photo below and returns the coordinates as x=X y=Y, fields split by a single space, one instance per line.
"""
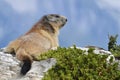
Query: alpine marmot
x=40 y=38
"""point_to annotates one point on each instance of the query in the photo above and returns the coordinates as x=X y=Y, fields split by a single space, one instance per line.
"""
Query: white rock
x=10 y=68
x=97 y=50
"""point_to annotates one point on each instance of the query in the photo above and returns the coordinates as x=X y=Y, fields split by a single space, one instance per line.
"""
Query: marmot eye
x=57 y=16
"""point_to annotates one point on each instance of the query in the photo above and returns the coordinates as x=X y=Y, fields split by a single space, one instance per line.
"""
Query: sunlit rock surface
x=10 y=68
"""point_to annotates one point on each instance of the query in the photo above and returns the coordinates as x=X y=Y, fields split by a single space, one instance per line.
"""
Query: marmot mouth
x=62 y=25
x=64 y=22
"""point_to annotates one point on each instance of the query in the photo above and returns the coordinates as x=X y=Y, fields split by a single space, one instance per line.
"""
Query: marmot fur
x=40 y=38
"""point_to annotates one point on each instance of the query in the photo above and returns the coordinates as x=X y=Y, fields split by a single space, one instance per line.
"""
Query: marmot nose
x=66 y=20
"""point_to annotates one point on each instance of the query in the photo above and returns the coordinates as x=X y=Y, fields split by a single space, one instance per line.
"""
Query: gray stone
x=10 y=68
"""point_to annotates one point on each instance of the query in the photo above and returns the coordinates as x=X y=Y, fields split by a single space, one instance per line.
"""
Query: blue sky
x=89 y=21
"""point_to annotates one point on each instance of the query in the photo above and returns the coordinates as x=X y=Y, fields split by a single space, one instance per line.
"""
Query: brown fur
x=40 y=38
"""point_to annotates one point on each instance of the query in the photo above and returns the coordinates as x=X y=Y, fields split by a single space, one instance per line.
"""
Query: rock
x=97 y=50
x=10 y=68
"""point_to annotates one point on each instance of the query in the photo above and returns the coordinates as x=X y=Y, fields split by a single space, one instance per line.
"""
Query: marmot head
x=53 y=22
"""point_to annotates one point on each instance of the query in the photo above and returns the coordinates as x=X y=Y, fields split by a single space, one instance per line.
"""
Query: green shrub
x=116 y=51
x=73 y=64
x=112 y=42
x=113 y=46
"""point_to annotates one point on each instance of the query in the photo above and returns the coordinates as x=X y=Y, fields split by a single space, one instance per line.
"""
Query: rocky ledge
x=10 y=66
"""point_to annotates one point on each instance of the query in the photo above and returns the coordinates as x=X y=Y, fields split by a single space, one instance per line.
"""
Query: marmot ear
x=51 y=18
x=44 y=19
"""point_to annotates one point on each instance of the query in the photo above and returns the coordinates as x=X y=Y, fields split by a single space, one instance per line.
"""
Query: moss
x=73 y=64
